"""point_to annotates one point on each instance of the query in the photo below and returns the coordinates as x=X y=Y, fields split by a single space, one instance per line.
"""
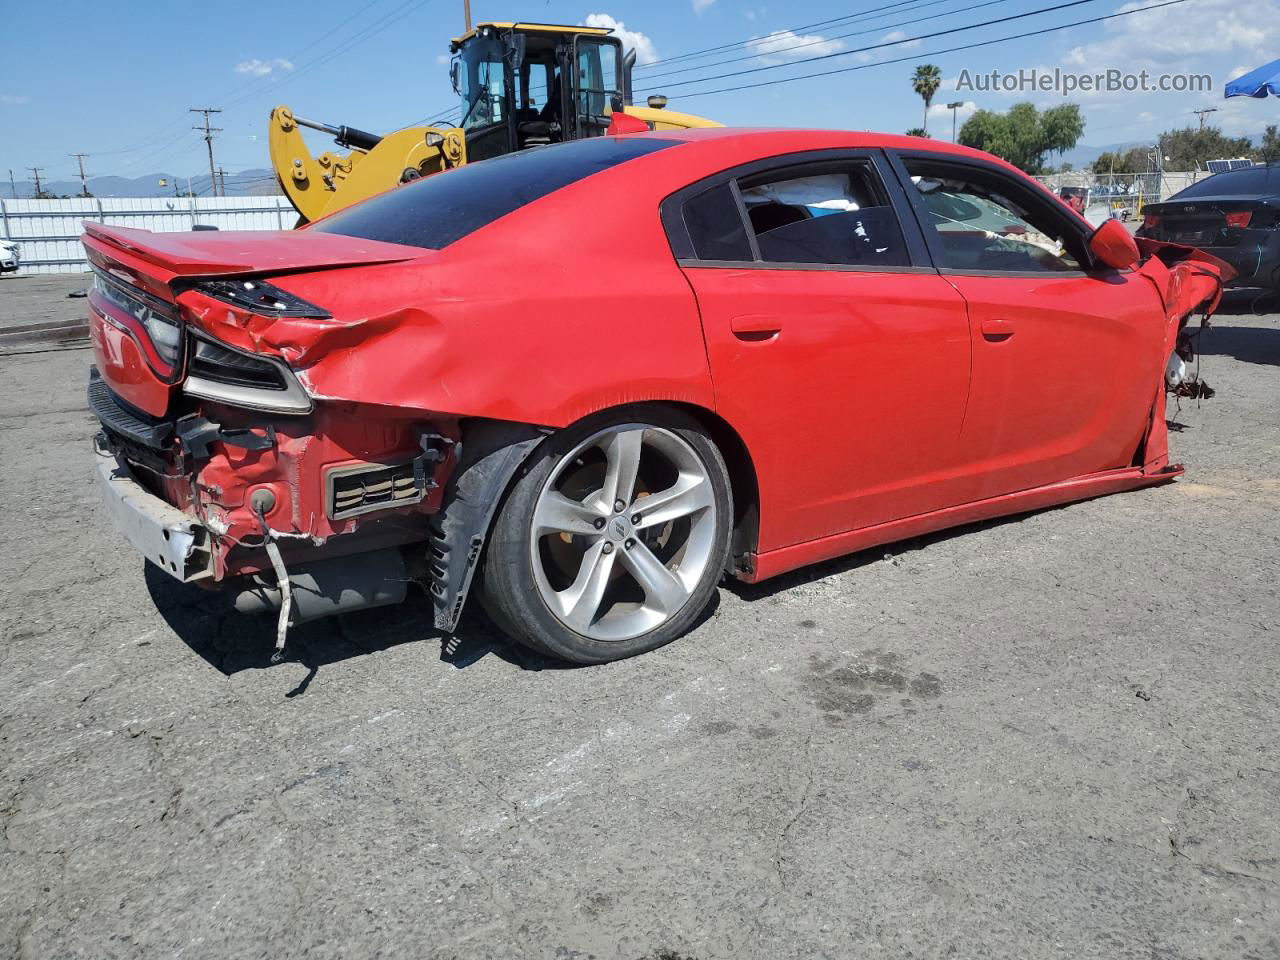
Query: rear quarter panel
x=570 y=305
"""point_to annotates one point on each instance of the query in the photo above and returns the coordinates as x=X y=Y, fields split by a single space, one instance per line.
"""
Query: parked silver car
x=8 y=256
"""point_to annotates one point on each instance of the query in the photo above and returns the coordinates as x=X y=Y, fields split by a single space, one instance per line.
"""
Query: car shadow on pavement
x=229 y=641
x=895 y=553
x=1247 y=344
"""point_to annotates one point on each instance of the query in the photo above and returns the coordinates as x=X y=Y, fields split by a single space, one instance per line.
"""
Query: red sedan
x=595 y=378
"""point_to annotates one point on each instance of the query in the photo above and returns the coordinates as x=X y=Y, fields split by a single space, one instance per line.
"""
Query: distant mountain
x=246 y=183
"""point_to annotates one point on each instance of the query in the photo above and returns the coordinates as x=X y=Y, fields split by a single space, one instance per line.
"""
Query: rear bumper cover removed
x=174 y=541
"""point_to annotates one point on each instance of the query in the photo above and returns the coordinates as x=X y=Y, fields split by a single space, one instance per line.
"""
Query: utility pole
x=35 y=172
x=466 y=15
x=84 y=184
x=1203 y=113
x=222 y=181
x=13 y=187
x=953 y=107
x=208 y=139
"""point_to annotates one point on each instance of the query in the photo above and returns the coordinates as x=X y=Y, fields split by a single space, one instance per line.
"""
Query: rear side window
x=435 y=211
x=1250 y=182
x=715 y=225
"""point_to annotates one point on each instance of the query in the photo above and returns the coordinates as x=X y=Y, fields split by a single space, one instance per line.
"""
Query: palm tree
x=926 y=81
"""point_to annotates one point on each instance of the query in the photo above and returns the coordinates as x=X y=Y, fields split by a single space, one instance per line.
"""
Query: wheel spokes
x=689 y=494
x=556 y=513
x=663 y=590
x=622 y=453
x=580 y=601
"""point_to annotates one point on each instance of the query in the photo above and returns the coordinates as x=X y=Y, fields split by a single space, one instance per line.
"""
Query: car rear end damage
x=215 y=459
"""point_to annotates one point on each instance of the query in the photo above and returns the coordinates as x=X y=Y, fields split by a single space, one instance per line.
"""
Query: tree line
x=1027 y=137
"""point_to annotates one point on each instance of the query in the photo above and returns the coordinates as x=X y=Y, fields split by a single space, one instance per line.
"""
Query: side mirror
x=1114 y=246
x=454 y=70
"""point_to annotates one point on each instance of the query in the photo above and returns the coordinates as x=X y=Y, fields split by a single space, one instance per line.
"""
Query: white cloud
x=443 y=58
x=1182 y=41
x=263 y=68
x=13 y=99
x=700 y=5
x=894 y=37
x=783 y=45
x=631 y=39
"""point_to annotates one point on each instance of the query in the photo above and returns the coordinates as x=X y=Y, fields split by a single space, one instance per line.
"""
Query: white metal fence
x=48 y=231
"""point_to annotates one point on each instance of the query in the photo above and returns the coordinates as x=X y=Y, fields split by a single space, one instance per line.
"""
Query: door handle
x=755 y=327
x=997 y=329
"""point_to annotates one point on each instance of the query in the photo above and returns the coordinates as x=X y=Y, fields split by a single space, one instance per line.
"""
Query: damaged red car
x=587 y=381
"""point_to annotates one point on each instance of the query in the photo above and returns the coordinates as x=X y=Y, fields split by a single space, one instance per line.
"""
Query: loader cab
x=529 y=85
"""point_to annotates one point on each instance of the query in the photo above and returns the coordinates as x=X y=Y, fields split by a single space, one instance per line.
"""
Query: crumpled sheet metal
x=1184 y=277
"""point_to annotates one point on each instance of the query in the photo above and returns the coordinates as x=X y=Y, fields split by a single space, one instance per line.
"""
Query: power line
x=774 y=51
x=166 y=140
x=881 y=46
x=208 y=139
x=707 y=51
x=397 y=14
x=935 y=53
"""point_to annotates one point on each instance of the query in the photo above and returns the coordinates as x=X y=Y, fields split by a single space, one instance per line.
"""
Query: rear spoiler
x=209 y=253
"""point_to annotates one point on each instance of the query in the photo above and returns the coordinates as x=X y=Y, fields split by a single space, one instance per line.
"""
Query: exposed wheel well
x=494 y=453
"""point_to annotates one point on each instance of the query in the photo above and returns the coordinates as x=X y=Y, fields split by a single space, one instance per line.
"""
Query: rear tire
x=580 y=567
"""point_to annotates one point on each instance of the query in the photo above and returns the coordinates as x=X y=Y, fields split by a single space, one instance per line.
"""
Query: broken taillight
x=1150 y=221
x=1238 y=218
x=262 y=298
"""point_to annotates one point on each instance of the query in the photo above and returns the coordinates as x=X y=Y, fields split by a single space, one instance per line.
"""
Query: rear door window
x=833 y=212
x=437 y=210
x=824 y=214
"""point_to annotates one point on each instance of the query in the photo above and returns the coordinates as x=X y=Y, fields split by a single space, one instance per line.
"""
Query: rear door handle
x=997 y=329
x=755 y=326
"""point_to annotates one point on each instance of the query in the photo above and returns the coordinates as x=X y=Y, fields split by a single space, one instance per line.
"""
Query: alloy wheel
x=622 y=531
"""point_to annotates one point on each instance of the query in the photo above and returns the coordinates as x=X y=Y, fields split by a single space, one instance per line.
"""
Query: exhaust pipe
x=329 y=587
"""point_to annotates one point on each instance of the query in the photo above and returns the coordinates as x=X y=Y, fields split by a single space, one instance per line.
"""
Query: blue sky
x=114 y=80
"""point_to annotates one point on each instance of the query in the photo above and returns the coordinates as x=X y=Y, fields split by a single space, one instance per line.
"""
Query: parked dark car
x=1234 y=215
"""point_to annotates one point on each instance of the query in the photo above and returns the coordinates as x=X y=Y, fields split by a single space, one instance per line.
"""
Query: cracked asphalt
x=1053 y=736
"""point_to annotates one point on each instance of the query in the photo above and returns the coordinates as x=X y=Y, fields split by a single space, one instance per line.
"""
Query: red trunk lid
x=133 y=305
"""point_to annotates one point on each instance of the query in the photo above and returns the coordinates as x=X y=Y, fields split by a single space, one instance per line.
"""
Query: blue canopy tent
x=1263 y=82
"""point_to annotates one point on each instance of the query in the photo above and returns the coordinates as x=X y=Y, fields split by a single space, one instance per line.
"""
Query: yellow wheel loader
x=521 y=85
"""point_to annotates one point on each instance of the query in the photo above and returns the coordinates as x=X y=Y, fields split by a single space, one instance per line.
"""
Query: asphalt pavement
x=1052 y=736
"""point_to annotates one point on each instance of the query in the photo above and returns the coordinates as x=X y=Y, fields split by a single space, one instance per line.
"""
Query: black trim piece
x=118 y=417
x=1033 y=274
x=736 y=192
x=695 y=264
x=492 y=452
